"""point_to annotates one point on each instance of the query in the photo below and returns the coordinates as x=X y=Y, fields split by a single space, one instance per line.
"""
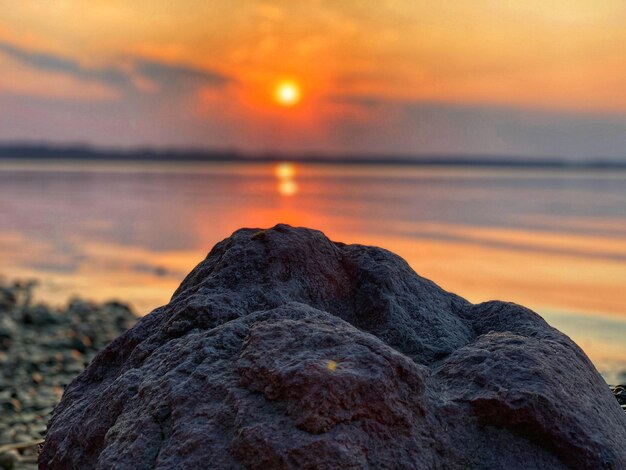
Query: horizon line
x=90 y=152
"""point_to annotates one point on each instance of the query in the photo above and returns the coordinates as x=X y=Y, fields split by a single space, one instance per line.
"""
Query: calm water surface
x=554 y=240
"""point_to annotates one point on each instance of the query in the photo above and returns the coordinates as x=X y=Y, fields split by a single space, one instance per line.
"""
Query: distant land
x=88 y=153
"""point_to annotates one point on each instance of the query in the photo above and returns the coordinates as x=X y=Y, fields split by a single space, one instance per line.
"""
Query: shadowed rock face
x=283 y=349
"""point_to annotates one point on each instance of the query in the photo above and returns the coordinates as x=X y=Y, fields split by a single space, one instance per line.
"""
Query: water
x=554 y=240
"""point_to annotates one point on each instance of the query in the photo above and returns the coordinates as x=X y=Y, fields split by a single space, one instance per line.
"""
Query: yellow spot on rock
x=331 y=365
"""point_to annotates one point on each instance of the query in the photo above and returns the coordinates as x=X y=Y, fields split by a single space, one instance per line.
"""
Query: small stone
x=23 y=438
x=16 y=404
x=8 y=459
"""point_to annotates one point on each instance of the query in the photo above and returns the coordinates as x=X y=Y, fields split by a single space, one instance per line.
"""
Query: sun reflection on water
x=286 y=173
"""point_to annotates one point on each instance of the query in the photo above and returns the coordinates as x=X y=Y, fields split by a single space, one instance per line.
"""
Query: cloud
x=174 y=75
x=152 y=102
x=59 y=64
x=167 y=76
x=423 y=127
x=364 y=101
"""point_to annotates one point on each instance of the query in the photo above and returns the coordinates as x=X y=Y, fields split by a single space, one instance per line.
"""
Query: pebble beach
x=42 y=349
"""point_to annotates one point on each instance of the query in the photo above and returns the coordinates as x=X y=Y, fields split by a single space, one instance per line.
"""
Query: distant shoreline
x=85 y=153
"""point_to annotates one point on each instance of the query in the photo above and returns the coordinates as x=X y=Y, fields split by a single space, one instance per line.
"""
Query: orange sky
x=380 y=76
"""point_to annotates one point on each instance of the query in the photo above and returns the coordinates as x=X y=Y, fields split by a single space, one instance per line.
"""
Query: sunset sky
x=532 y=78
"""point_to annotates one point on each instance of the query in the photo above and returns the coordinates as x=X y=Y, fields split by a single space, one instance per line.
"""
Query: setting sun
x=287 y=93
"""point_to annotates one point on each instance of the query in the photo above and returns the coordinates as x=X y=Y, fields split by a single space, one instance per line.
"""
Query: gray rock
x=283 y=349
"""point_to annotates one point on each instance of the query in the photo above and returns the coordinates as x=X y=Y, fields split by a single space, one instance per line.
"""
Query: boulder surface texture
x=283 y=349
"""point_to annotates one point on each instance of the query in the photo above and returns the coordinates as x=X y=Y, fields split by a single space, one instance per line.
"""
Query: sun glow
x=287 y=93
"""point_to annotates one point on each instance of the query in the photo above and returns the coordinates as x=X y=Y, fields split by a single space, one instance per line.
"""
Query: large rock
x=283 y=349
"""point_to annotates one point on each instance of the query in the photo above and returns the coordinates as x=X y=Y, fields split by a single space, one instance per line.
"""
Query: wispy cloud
x=173 y=75
x=56 y=63
x=165 y=75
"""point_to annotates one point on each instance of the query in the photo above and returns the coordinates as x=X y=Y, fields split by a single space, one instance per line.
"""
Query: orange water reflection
x=556 y=272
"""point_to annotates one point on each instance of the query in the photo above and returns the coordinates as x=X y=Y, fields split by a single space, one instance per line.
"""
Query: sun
x=287 y=93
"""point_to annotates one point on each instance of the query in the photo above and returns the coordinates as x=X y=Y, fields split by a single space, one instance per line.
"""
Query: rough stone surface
x=283 y=349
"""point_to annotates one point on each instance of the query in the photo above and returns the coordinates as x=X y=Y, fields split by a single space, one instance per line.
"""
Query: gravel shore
x=41 y=350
